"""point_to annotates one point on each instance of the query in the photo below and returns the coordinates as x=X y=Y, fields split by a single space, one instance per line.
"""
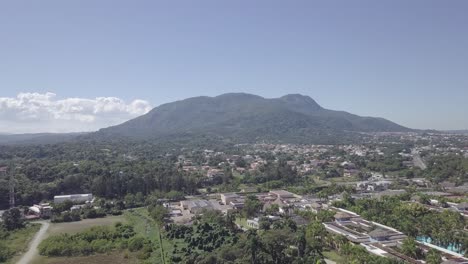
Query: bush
x=136 y=243
x=5 y=253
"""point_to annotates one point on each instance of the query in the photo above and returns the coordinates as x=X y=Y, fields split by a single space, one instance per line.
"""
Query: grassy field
x=18 y=241
x=144 y=225
x=113 y=258
x=75 y=227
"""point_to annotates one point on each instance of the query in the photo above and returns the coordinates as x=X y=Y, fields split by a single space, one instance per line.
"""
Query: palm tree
x=409 y=247
x=301 y=242
x=433 y=257
x=253 y=244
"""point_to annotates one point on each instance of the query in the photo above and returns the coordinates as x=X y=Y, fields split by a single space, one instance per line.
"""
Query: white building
x=76 y=198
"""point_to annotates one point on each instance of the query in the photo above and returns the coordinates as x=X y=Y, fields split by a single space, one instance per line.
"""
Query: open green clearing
x=75 y=227
x=144 y=225
x=113 y=257
x=19 y=239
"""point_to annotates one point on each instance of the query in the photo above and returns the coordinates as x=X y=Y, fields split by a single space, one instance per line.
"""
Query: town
x=267 y=186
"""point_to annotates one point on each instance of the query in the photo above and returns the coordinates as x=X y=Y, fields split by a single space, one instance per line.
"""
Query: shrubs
x=136 y=243
x=66 y=217
x=5 y=252
x=99 y=239
x=77 y=215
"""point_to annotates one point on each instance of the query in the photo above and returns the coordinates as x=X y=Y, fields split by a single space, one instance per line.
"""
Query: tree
x=433 y=257
x=158 y=213
x=301 y=242
x=12 y=219
x=240 y=162
x=253 y=244
x=272 y=209
x=251 y=206
x=315 y=235
x=409 y=247
x=276 y=243
x=264 y=223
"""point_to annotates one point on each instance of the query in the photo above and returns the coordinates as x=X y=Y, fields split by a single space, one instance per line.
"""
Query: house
x=75 y=198
x=351 y=172
x=198 y=206
x=380 y=234
x=253 y=223
x=299 y=220
x=213 y=173
x=282 y=194
x=342 y=217
x=279 y=202
x=41 y=210
x=237 y=204
x=226 y=198
x=315 y=207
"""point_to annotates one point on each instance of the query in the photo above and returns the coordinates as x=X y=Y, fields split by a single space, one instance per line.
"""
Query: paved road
x=418 y=162
x=32 y=251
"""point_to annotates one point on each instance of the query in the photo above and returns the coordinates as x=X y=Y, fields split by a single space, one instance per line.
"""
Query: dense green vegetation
x=444 y=228
x=15 y=241
x=44 y=171
x=99 y=239
x=453 y=168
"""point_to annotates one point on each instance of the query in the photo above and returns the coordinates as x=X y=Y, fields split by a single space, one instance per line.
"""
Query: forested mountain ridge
x=290 y=118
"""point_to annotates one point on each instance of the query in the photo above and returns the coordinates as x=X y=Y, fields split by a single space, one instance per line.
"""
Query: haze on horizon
x=80 y=66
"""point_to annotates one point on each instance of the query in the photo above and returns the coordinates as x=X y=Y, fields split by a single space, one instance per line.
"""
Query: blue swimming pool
x=452 y=247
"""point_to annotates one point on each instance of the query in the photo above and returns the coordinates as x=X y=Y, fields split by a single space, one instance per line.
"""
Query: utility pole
x=3 y=172
x=11 y=182
x=12 y=188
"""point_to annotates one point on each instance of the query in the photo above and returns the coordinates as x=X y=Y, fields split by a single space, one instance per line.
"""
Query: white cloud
x=36 y=112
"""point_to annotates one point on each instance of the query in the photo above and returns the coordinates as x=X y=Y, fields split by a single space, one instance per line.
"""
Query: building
x=253 y=223
x=380 y=234
x=227 y=198
x=215 y=173
x=198 y=206
x=75 y=198
x=282 y=194
x=41 y=210
x=342 y=216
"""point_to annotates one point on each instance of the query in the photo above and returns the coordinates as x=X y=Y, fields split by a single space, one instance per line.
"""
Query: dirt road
x=32 y=250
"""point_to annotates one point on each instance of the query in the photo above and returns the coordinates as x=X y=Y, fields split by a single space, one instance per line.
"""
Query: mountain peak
x=301 y=102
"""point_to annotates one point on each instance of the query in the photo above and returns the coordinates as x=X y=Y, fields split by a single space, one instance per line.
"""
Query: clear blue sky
x=403 y=60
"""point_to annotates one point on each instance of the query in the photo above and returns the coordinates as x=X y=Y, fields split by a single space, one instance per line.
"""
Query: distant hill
x=39 y=138
x=246 y=117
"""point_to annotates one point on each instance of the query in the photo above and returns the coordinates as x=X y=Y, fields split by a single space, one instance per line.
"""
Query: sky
x=69 y=66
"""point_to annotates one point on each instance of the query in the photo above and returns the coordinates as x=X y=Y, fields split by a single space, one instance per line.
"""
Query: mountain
x=246 y=118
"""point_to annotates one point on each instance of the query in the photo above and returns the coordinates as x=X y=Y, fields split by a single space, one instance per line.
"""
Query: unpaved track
x=32 y=249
